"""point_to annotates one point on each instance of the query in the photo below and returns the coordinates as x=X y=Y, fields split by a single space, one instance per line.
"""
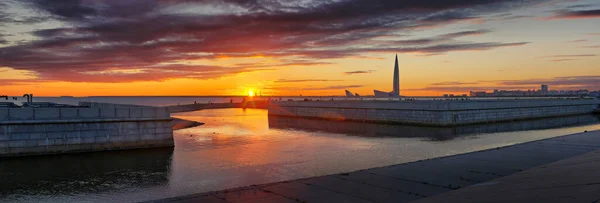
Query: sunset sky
x=293 y=47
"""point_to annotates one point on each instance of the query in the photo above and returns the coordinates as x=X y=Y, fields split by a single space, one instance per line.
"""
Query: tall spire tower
x=396 y=91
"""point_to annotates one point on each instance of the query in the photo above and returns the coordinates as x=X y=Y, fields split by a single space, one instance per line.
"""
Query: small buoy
x=585 y=131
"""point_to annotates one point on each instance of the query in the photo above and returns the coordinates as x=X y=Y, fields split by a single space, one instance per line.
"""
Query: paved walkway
x=575 y=179
x=428 y=178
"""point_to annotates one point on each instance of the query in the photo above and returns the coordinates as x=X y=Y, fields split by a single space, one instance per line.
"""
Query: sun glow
x=250 y=93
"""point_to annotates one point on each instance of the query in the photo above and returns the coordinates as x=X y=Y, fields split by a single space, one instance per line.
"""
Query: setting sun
x=250 y=93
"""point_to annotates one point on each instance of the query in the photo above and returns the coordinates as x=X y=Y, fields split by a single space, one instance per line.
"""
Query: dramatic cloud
x=567 y=14
x=438 y=39
x=336 y=87
x=570 y=55
x=359 y=72
x=132 y=40
x=305 y=80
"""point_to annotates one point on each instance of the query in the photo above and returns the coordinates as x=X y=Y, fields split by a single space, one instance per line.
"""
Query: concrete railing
x=45 y=114
x=109 y=105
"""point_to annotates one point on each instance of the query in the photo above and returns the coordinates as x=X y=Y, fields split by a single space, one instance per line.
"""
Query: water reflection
x=73 y=174
x=433 y=133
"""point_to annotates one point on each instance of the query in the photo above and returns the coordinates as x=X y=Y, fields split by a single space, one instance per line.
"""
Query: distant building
x=349 y=94
x=396 y=84
x=544 y=90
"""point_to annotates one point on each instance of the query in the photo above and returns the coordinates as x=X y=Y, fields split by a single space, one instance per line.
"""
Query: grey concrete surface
x=435 y=113
x=38 y=131
x=571 y=180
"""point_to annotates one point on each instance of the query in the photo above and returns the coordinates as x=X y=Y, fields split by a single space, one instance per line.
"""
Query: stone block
x=148 y=112
x=89 y=113
x=68 y=113
x=40 y=128
x=116 y=138
x=101 y=139
x=3 y=114
x=122 y=113
x=21 y=114
x=74 y=140
x=56 y=135
x=132 y=137
x=162 y=112
x=19 y=136
x=148 y=137
x=88 y=140
x=45 y=142
x=37 y=136
x=88 y=133
x=32 y=143
x=58 y=141
x=108 y=113
x=4 y=136
x=46 y=113
x=135 y=112
x=17 y=143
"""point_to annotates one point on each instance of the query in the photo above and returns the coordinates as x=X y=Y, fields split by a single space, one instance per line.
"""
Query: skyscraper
x=396 y=87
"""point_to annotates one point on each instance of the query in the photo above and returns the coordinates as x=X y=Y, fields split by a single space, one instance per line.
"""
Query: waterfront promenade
x=526 y=168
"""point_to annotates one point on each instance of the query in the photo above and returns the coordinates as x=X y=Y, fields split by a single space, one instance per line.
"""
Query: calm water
x=242 y=147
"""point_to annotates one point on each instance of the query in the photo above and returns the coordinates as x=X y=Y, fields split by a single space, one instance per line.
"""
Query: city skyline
x=94 y=48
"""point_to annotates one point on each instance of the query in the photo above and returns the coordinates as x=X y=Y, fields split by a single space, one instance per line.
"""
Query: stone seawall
x=435 y=113
x=32 y=131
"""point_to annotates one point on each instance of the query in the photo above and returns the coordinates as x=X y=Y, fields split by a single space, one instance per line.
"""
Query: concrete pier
x=418 y=180
x=36 y=131
x=196 y=107
x=434 y=112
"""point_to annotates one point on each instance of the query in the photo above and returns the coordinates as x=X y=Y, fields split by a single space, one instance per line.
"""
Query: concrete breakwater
x=32 y=131
x=262 y=104
x=435 y=112
x=433 y=133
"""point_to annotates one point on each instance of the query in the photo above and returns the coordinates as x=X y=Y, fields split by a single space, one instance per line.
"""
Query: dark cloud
x=593 y=46
x=336 y=87
x=563 y=83
x=578 y=40
x=506 y=17
x=570 y=82
x=453 y=83
x=560 y=60
x=437 y=39
x=304 y=80
x=570 y=14
x=103 y=36
x=359 y=72
x=570 y=55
